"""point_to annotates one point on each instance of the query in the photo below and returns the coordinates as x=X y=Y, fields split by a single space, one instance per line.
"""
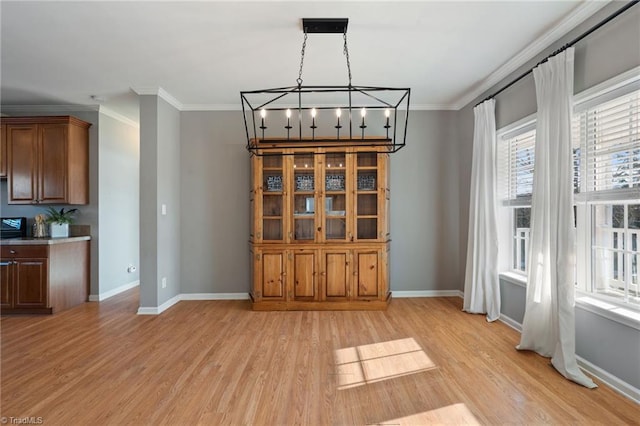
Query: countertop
x=30 y=241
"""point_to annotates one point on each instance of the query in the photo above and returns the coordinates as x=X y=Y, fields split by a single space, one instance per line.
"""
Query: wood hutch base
x=366 y=305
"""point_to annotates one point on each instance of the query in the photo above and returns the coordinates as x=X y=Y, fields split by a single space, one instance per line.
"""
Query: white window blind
x=515 y=165
x=610 y=145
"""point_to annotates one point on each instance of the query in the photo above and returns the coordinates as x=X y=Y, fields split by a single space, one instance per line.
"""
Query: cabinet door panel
x=337 y=275
x=53 y=163
x=367 y=274
x=273 y=275
x=30 y=281
x=304 y=275
x=22 y=163
x=6 y=283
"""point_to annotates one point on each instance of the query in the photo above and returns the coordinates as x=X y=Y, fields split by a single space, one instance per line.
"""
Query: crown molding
x=433 y=107
x=117 y=116
x=212 y=107
x=579 y=15
x=160 y=92
x=69 y=108
x=53 y=109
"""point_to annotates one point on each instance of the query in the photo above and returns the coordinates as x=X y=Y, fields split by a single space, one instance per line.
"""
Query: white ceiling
x=203 y=53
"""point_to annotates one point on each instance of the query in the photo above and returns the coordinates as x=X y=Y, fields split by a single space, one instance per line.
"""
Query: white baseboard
x=160 y=309
x=427 y=293
x=107 y=294
x=511 y=323
x=612 y=381
x=191 y=296
x=214 y=296
x=609 y=379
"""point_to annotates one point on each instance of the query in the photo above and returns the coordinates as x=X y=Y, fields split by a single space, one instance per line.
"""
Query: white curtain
x=481 y=285
x=549 y=320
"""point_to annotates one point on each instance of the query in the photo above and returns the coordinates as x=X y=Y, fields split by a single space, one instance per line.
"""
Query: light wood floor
x=216 y=362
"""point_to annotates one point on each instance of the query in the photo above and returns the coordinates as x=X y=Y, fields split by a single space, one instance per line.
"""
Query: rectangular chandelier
x=325 y=116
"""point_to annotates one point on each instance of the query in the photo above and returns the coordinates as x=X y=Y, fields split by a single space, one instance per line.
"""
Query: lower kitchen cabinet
x=311 y=278
x=45 y=278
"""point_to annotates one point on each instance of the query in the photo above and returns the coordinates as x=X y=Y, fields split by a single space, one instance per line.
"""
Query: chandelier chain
x=346 y=54
x=304 y=46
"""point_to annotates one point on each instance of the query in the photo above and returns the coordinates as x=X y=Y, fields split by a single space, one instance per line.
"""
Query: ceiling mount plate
x=325 y=25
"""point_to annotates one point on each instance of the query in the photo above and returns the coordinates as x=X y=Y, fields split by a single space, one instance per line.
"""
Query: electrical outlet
x=164 y=282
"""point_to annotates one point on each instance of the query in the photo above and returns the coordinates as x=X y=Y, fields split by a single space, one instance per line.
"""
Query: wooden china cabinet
x=320 y=229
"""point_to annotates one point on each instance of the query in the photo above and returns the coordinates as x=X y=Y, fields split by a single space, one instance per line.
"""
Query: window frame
x=584 y=200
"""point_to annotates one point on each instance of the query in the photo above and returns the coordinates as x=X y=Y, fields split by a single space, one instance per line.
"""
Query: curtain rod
x=565 y=47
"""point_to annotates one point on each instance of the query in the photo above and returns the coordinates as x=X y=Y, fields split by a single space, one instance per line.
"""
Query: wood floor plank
x=217 y=362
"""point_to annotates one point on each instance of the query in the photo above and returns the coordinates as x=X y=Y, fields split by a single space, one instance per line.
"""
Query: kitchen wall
x=118 y=206
x=609 y=51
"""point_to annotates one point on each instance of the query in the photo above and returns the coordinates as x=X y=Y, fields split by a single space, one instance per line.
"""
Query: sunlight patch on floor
x=456 y=414
x=360 y=365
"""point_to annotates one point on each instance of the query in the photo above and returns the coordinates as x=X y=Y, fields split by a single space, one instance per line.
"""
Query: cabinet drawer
x=7 y=252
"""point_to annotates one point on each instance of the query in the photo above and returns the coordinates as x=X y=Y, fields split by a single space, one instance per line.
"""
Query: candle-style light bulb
x=263 y=114
x=288 y=126
x=387 y=113
x=363 y=126
x=338 y=126
x=313 y=123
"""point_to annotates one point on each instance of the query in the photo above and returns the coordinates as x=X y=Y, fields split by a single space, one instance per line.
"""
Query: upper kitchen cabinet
x=47 y=160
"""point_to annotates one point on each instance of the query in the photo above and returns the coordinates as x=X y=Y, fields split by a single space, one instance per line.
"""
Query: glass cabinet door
x=272 y=198
x=304 y=197
x=335 y=196
x=367 y=194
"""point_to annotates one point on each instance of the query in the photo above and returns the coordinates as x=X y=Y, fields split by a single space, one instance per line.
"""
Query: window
x=522 y=224
x=516 y=158
x=615 y=250
x=608 y=129
x=606 y=147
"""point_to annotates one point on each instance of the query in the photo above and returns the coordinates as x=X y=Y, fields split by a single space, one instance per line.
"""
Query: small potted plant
x=59 y=221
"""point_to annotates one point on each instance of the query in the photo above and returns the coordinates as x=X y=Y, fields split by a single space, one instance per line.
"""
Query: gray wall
x=159 y=185
x=215 y=183
x=119 y=157
x=606 y=53
x=424 y=206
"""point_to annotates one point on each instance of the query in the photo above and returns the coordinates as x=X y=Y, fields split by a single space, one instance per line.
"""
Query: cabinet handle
x=323 y=273
x=12 y=251
x=290 y=235
x=319 y=228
